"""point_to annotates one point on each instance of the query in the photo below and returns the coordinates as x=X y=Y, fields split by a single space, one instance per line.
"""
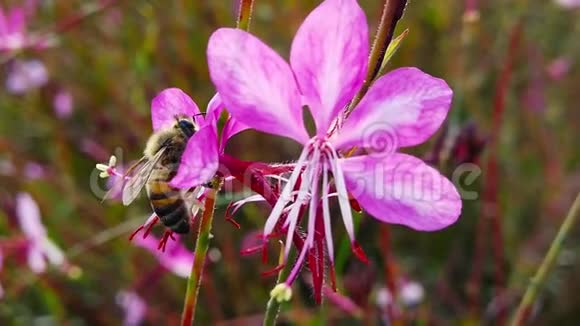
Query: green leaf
x=393 y=47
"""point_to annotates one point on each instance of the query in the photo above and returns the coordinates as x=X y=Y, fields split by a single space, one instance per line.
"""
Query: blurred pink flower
x=33 y=171
x=558 y=68
x=134 y=307
x=63 y=104
x=1 y=266
x=328 y=63
x=569 y=4
x=24 y=76
x=176 y=258
x=12 y=29
x=13 y=32
x=40 y=249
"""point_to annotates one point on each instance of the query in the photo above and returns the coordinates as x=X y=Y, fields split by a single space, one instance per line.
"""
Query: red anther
x=359 y=252
x=354 y=205
x=150 y=227
x=251 y=250
x=163 y=242
x=229 y=217
x=135 y=232
x=273 y=271
x=231 y=220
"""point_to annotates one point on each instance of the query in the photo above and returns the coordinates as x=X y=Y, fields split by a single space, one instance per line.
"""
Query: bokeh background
x=513 y=66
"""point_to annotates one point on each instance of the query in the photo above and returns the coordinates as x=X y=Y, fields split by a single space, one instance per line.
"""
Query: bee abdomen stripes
x=167 y=203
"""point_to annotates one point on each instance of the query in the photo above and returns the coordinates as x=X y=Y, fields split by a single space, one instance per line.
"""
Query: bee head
x=186 y=125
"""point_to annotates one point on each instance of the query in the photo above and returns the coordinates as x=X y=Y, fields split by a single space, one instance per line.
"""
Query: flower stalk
x=537 y=282
x=245 y=14
x=273 y=307
x=392 y=13
x=201 y=248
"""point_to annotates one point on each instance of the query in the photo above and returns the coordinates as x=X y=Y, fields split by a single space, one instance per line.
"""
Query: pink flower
x=569 y=4
x=176 y=257
x=63 y=104
x=13 y=33
x=12 y=29
x=40 y=248
x=559 y=67
x=25 y=76
x=1 y=265
x=134 y=307
x=328 y=62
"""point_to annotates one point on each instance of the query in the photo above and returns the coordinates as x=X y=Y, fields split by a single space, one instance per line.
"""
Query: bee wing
x=120 y=182
x=133 y=187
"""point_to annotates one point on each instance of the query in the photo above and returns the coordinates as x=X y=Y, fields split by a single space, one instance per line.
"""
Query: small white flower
x=412 y=293
x=106 y=169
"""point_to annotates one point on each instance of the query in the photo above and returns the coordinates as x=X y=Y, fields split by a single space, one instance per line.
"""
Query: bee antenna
x=201 y=113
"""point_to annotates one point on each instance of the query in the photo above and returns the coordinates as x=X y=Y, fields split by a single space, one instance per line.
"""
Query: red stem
x=491 y=205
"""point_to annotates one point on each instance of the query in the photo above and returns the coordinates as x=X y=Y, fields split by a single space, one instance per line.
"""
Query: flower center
x=308 y=190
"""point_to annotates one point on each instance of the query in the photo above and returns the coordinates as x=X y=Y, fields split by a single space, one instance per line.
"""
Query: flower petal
x=402 y=108
x=169 y=103
x=329 y=57
x=36 y=260
x=199 y=161
x=256 y=85
x=28 y=215
x=176 y=257
x=402 y=189
x=15 y=21
x=214 y=109
x=231 y=128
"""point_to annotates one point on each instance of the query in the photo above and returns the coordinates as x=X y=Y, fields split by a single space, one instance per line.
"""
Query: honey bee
x=155 y=170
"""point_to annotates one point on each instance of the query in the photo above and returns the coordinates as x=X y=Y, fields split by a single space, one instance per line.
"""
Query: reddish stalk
x=491 y=187
x=390 y=269
x=244 y=14
x=392 y=13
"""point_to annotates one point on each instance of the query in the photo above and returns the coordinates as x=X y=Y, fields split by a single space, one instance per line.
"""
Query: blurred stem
x=390 y=269
x=245 y=14
x=392 y=13
x=537 y=282
x=201 y=247
x=273 y=307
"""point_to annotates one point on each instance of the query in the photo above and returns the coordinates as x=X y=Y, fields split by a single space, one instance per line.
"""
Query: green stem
x=392 y=12
x=245 y=14
x=201 y=247
x=537 y=282
x=273 y=307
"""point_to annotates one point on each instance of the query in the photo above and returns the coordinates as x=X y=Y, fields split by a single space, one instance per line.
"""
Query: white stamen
x=326 y=213
x=313 y=185
x=342 y=195
x=308 y=178
x=112 y=161
x=277 y=177
x=285 y=196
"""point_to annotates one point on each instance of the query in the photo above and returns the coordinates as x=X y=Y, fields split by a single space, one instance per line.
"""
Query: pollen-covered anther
x=281 y=293
x=107 y=170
